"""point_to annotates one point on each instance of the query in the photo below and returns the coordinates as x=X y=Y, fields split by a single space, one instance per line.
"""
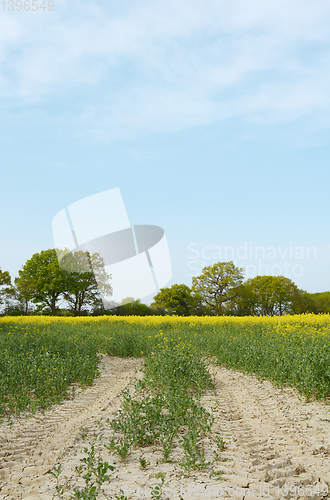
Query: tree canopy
x=177 y=299
x=271 y=295
x=317 y=303
x=5 y=286
x=85 y=280
x=218 y=284
x=45 y=279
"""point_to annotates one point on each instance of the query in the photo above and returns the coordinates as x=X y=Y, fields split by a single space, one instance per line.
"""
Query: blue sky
x=212 y=117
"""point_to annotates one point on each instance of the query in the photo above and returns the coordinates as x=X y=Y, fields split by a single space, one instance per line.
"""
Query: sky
x=211 y=116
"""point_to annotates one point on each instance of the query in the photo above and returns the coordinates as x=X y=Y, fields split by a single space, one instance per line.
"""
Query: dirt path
x=278 y=446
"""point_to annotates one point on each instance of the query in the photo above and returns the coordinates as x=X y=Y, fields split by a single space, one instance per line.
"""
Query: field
x=180 y=417
x=42 y=356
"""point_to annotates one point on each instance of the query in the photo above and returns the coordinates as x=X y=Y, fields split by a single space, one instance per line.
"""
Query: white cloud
x=164 y=65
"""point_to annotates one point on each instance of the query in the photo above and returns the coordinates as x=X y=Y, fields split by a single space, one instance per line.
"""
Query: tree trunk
x=53 y=303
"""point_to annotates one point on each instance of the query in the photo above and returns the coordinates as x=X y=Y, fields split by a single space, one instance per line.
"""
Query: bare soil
x=277 y=444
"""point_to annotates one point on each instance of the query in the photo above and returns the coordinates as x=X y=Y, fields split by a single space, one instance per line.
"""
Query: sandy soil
x=278 y=446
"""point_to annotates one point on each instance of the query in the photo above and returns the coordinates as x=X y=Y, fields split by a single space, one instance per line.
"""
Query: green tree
x=303 y=303
x=317 y=303
x=242 y=304
x=218 y=285
x=85 y=279
x=128 y=300
x=132 y=307
x=25 y=289
x=177 y=299
x=6 y=289
x=272 y=295
x=42 y=279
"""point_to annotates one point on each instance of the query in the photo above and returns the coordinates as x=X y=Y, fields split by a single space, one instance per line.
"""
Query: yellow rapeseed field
x=42 y=355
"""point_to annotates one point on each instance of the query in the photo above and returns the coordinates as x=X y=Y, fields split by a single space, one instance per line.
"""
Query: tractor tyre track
x=30 y=446
x=276 y=441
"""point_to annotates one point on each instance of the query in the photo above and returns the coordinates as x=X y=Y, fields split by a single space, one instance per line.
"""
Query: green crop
x=42 y=356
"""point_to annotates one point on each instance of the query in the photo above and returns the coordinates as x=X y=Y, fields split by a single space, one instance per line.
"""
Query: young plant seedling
x=221 y=444
x=57 y=470
x=157 y=491
x=84 y=432
x=121 y=496
x=94 y=472
x=218 y=475
x=143 y=463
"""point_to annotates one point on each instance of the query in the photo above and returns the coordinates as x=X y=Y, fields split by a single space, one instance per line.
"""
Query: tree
x=25 y=289
x=303 y=303
x=217 y=285
x=85 y=279
x=317 y=303
x=177 y=299
x=6 y=288
x=132 y=307
x=272 y=295
x=42 y=279
x=128 y=300
x=242 y=304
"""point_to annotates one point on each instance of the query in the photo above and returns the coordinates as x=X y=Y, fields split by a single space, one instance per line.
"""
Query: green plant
x=157 y=491
x=221 y=444
x=121 y=496
x=122 y=448
x=162 y=404
x=41 y=356
x=159 y=475
x=218 y=475
x=56 y=471
x=143 y=463
x=194 y=454
x=93 y=471
x=111 y=445
x=84 y=432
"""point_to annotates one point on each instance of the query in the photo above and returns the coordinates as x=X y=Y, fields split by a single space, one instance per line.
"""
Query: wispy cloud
x=156 y=65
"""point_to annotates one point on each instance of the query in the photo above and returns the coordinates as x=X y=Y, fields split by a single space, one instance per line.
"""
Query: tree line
x=75 y=288
x=45 y=287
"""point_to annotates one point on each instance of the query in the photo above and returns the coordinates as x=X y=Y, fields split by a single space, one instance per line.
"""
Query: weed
x=163 y=404
x=84 y=432
x=218 y=475
x=221 y=444
x=57 y=470
x=121 y=496
x=159 y=475
x=143 y=463
x=194 y=454
x=93 y=471
x=122 y=448
x=157 y=491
